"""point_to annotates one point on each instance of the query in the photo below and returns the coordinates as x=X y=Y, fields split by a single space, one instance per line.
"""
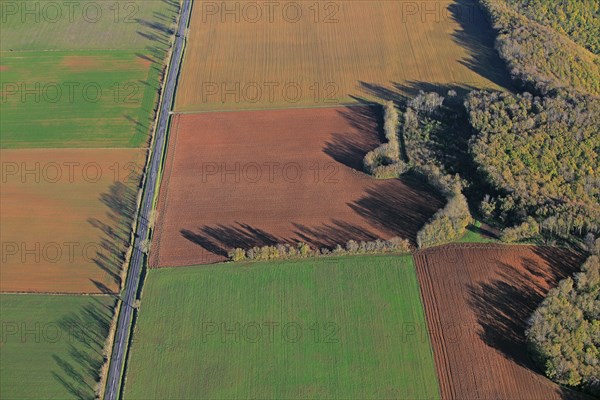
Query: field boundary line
x=434 y=329
x=338 y=105
x=161 y=206
x=74 y=148
x=68 y=50
x=104 y=294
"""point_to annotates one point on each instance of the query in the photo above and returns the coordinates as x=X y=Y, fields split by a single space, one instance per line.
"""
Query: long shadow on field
x=116 y=230
x=84 y=332
x=158 y=31
x=350 y=148
x=477 y=37
x=401 y=92
x=399 y=206
x=220 y=239
x=504 y=305
x=330 y=235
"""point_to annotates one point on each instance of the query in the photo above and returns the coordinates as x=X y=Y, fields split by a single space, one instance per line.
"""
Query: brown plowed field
x=477 y=299
x=66 y=217
x=262 y=177
x=252 y=55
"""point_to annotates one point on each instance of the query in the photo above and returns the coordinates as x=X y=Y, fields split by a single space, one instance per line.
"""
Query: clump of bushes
x=385 y=162
x=447 y=224
x=303 y=250
x=426 y=102
x=526 y=230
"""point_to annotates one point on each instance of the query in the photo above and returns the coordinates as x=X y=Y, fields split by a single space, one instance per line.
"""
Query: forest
x=564 y=332
x=577 y=19
x=542 y=155
x=539 y=58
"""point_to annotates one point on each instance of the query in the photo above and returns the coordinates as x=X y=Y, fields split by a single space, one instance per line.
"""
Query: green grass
x=362 y=324
x=51 y=346
x=79 y=99
x=122 y=24
x=473 y=235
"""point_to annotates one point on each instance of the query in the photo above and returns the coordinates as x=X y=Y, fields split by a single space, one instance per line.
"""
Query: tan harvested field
x=263 y=177
x=65 y=216
x=477 y=299
x=247 y=55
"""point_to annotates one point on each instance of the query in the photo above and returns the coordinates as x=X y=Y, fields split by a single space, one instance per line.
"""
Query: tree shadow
x=477 y=36
x=485 y=231
x=159 y=30
x=399 y=206
x=121 y=201
x=504 y=305
x=85 y=331
x=330 y=235
x=158 y=33
x=220 y=239
x=349 y=148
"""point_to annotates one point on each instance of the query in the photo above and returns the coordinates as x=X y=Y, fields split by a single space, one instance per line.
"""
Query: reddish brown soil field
x=477 y=300
x=66 y=218
x=253 y=178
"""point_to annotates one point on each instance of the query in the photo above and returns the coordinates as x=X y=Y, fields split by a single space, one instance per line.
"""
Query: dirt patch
x=144 y=62
x=254 y=178
x=66 y=218
x=81 y=63
x=3 y=67
x=477 y=299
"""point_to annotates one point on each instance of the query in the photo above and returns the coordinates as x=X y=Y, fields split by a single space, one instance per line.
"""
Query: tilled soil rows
x=477 y=299
x=257 y=178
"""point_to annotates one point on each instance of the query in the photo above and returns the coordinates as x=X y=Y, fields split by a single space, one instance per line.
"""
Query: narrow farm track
x=477 y=298
x=152 y=174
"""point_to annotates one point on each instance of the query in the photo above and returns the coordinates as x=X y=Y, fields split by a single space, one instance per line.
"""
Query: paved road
x=133 y=277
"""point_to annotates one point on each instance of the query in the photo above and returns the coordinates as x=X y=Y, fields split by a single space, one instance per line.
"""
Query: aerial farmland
x=80 y=83
x=343 y=199
x=300 y=54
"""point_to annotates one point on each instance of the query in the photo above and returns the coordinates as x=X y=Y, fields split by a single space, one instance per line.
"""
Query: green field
x=85 y=25
x=51 y=346
x=77 y=99
x=350 y=328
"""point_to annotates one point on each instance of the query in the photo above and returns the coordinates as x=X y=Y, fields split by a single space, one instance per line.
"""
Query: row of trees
x=424 y=122
x=564 y=332
x=422 y=125
x=304 y=250
x=577 y=19
x=538 y=57
x=541 y=153
x=385 y=162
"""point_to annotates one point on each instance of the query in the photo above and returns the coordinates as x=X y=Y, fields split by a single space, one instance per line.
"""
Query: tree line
x=538 y=57
x=412 y=145
x=286 y=251
x=385 y=162
x=577 y=19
